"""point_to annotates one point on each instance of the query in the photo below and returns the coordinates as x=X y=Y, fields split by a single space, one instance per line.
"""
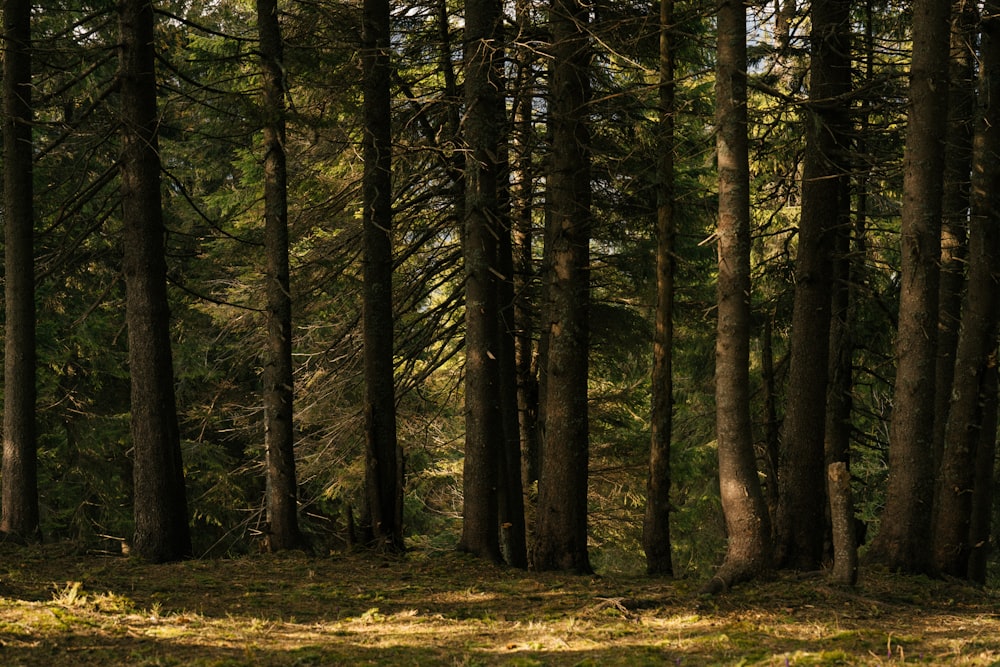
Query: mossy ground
x=62 y=608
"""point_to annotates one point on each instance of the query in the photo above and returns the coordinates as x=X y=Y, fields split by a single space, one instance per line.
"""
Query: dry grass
x=58 y=608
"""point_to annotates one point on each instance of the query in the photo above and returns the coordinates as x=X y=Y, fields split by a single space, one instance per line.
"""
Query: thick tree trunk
x=748 y=551
x=383 y=456
x=903 y=540
x=656 y=524
x=279 y=436
x=161 y=519
x=561 y=524
x=974 y=356
x=20 y=479
x=802 y=471
x=484 y=437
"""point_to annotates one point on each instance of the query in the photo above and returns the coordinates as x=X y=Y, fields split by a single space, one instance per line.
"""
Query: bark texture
x=20 y=518
x=656 y=524
x=383 y=457
x=161 y=517
x=801 y=505
x=903 y=540
x=748 y=551
x=279 y=434
x=975 y=352
x=845 y=543
x=561 y=524
x=484 y=437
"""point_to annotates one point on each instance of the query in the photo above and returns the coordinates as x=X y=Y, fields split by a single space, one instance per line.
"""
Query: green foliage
x=211 y=150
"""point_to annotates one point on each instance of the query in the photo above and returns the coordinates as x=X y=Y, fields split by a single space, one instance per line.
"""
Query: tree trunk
x=656 y=525
x=802 y=471
x=383 y=456
x=903 y=540
x=525 y=283
x=20 y=484
x=955 y=207
x=561 y=525
x=279 y=436
x=161 y=519
x=513 y=532
x=974 y=354
x=484 y=441
x=983 y=490
x=748 y=550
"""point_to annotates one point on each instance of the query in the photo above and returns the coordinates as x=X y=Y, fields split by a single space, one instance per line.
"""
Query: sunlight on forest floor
x=60 y=608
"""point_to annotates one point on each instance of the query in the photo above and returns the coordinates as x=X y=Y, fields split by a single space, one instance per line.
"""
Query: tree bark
x=20 y=478
x=955 y=206
x=656 y=524
x=845 y=543
x=279 y=435
x=983 y=490
x=484 y=438
x=383 y=456
x=561 y=526
x=524 y=275
x=802 y=471
x=748 y=550
x=161 y=518
x=974 y=356
x=903 y=540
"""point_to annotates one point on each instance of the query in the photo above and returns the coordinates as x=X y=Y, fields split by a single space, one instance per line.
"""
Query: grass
x=62 y=608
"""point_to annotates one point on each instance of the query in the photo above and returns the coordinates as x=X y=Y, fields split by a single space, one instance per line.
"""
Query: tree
x=802 y=471
x=954 y=206
x=279 y=435
x=161 y=519
x=903 y=540
x=484 y=437
x=976 y=350
x=383 y=455
x=20 y=478
x=748 y=550
x=561 y=523
x=656 y=526
x=523 y=141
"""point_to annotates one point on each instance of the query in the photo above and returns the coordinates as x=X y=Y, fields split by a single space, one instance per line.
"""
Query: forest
x=693 y=290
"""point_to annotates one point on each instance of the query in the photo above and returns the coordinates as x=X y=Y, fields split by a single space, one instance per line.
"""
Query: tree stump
x=845 y=546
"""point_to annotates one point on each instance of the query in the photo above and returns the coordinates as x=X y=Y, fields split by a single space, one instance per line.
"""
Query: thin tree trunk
x=955 y=207
x=279 y=436
x=985 y=481
x=768 y=457
x=748 y=550
x=20 y=479
x=383 y=455
x=802 y=471
x=656 y=525
x=525 y=316
x=161 y=519
x=977 y=336
x=903 y=540
x=561 y=526
x=513 y=531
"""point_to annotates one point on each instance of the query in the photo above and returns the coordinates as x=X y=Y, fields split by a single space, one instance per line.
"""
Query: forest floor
x=62 y=608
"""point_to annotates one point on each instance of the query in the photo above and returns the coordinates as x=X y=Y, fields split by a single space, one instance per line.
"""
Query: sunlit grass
x=453 y=610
